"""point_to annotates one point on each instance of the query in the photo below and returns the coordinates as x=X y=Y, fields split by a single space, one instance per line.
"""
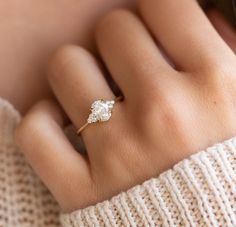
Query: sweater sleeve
x=9 y=118
x=24 y=200
x=199 y=191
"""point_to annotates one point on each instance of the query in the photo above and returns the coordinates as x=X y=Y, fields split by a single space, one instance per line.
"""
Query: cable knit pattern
x=199 y=191
x=24 y=201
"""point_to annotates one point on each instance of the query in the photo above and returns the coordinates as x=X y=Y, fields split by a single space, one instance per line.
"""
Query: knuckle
x=163 y=110
x=215 y=71
x=112 y=20
x=24 y=129
x=62 y=60
x=170 y=117
x=219 y=79
x=32 y=123
x=218 y=71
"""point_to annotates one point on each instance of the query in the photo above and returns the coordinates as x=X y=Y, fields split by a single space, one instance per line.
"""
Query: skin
x=168 y=113
x=31 y=31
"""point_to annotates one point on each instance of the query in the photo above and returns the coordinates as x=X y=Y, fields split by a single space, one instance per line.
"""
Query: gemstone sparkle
x=100 y=111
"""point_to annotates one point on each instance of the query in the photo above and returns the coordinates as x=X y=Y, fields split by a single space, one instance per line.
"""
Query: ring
x=101 y=111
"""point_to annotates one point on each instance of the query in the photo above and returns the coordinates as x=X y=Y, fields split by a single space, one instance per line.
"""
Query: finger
x=77 y=82
x=226 y=31
x=130 y=52
x=41 y=139
x=186 y=34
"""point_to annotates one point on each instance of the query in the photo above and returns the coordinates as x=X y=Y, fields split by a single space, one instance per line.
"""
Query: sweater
x=198 y=191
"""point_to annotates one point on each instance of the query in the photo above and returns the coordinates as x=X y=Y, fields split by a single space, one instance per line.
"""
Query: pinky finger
x=64 y=171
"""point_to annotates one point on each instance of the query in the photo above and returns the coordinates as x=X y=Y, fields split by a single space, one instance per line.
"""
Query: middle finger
x=130 y=53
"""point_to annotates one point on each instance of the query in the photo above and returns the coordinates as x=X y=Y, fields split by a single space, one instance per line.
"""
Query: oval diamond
x=100 y=111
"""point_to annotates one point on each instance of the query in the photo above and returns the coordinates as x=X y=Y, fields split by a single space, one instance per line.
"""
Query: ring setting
x=101 y=111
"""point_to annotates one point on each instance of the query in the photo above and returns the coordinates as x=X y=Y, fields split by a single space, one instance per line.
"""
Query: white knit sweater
x=199 y=191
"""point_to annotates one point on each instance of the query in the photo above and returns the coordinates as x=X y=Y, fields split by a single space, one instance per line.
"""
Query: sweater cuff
x=199 y=191
x=9 y=118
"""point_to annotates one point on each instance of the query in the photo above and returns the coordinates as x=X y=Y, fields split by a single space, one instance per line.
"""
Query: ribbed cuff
x=9 y=118
x=199 y=191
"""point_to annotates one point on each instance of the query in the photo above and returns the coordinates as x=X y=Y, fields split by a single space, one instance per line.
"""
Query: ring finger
x=77 y=82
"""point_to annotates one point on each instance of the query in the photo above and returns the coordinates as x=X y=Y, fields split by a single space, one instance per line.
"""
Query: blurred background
x=32 y=30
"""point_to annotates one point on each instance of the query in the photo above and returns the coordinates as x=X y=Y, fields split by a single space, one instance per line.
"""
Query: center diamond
x=100 y=111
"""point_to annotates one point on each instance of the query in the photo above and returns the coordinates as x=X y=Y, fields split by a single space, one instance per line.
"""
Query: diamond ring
x=101 y=111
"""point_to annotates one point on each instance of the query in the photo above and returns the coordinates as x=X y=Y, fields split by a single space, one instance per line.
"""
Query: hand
x=31 y=31
x=168 y=113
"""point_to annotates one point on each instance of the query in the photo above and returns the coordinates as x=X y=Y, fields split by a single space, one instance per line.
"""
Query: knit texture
x=199 y=191
x=24 y=201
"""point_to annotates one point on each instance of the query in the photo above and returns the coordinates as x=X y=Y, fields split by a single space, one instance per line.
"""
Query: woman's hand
x=167 y=114
x=31 y=31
